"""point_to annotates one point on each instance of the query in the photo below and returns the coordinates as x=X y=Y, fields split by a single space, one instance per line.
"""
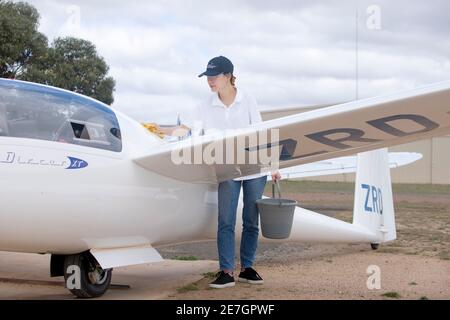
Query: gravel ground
x=415 y=266
x=337 y=277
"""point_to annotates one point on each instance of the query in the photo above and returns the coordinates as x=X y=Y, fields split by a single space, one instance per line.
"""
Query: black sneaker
x=224 y=280
x=249 y=275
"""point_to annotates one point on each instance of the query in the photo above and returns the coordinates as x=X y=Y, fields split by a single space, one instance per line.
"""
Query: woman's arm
x=178 y=131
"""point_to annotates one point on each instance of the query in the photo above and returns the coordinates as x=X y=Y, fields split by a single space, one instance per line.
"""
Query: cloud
x=287 y=53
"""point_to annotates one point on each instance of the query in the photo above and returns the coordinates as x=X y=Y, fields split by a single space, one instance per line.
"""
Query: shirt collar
x=217 y=102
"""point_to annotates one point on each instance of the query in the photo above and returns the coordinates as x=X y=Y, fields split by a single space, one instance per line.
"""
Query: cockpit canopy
x=33 y=111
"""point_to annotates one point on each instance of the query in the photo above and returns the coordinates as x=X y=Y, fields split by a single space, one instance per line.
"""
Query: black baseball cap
x=218 y=65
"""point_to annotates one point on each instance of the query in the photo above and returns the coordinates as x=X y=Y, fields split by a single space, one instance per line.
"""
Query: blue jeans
x=228 y=202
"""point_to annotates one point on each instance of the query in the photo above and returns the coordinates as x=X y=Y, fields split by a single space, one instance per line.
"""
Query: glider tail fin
x=374 y=205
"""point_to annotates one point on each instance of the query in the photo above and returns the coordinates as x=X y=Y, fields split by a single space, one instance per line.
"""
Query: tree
x=70 y=63
x=20 y=42
x=73 y=64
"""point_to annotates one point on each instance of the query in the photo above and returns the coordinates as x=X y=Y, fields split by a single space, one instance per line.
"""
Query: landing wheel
x=375 y=246
x=84 y=276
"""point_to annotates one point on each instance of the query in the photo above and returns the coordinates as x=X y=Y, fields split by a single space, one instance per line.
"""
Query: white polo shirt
x=213 y=116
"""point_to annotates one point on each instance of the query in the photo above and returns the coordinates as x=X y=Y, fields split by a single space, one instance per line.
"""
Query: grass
x=389 y=249
x=185 y=258
x=202 y=284
x=188 y=288
x=210 y=275
x=303 y=186
x=199 y=285
x=312 y=187
x=423 y=189
x=444 y=255
x=391 y=295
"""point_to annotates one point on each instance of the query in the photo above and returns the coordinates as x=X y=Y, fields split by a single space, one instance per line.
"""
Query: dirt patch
x=338 y=277
x=415 y=266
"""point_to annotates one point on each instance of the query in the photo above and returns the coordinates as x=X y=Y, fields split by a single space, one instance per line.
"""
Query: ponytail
x=233 y=80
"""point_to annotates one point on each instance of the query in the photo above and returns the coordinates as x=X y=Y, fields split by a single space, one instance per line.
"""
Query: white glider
x=96 y=190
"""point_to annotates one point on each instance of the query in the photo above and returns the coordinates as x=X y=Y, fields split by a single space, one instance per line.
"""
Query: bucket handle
x=276 y=185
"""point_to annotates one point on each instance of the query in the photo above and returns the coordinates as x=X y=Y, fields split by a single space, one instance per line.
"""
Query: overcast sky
x=287 y=53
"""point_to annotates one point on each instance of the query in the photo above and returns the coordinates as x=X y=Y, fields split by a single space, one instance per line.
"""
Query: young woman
x=230 y=108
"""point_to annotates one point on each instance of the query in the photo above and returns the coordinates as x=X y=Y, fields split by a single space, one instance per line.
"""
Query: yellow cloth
x=153 y=128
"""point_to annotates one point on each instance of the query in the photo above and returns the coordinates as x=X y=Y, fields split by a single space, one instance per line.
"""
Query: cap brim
x=210 y=73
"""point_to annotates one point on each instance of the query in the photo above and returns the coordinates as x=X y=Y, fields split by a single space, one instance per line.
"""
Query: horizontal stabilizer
x=343 y=165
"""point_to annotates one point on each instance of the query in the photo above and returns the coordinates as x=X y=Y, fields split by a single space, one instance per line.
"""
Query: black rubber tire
x=375 y=246
x=87 y=289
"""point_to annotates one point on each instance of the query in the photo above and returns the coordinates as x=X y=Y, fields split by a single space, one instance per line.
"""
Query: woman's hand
x=180 y=131
x=177 y=131
x=276 y=176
